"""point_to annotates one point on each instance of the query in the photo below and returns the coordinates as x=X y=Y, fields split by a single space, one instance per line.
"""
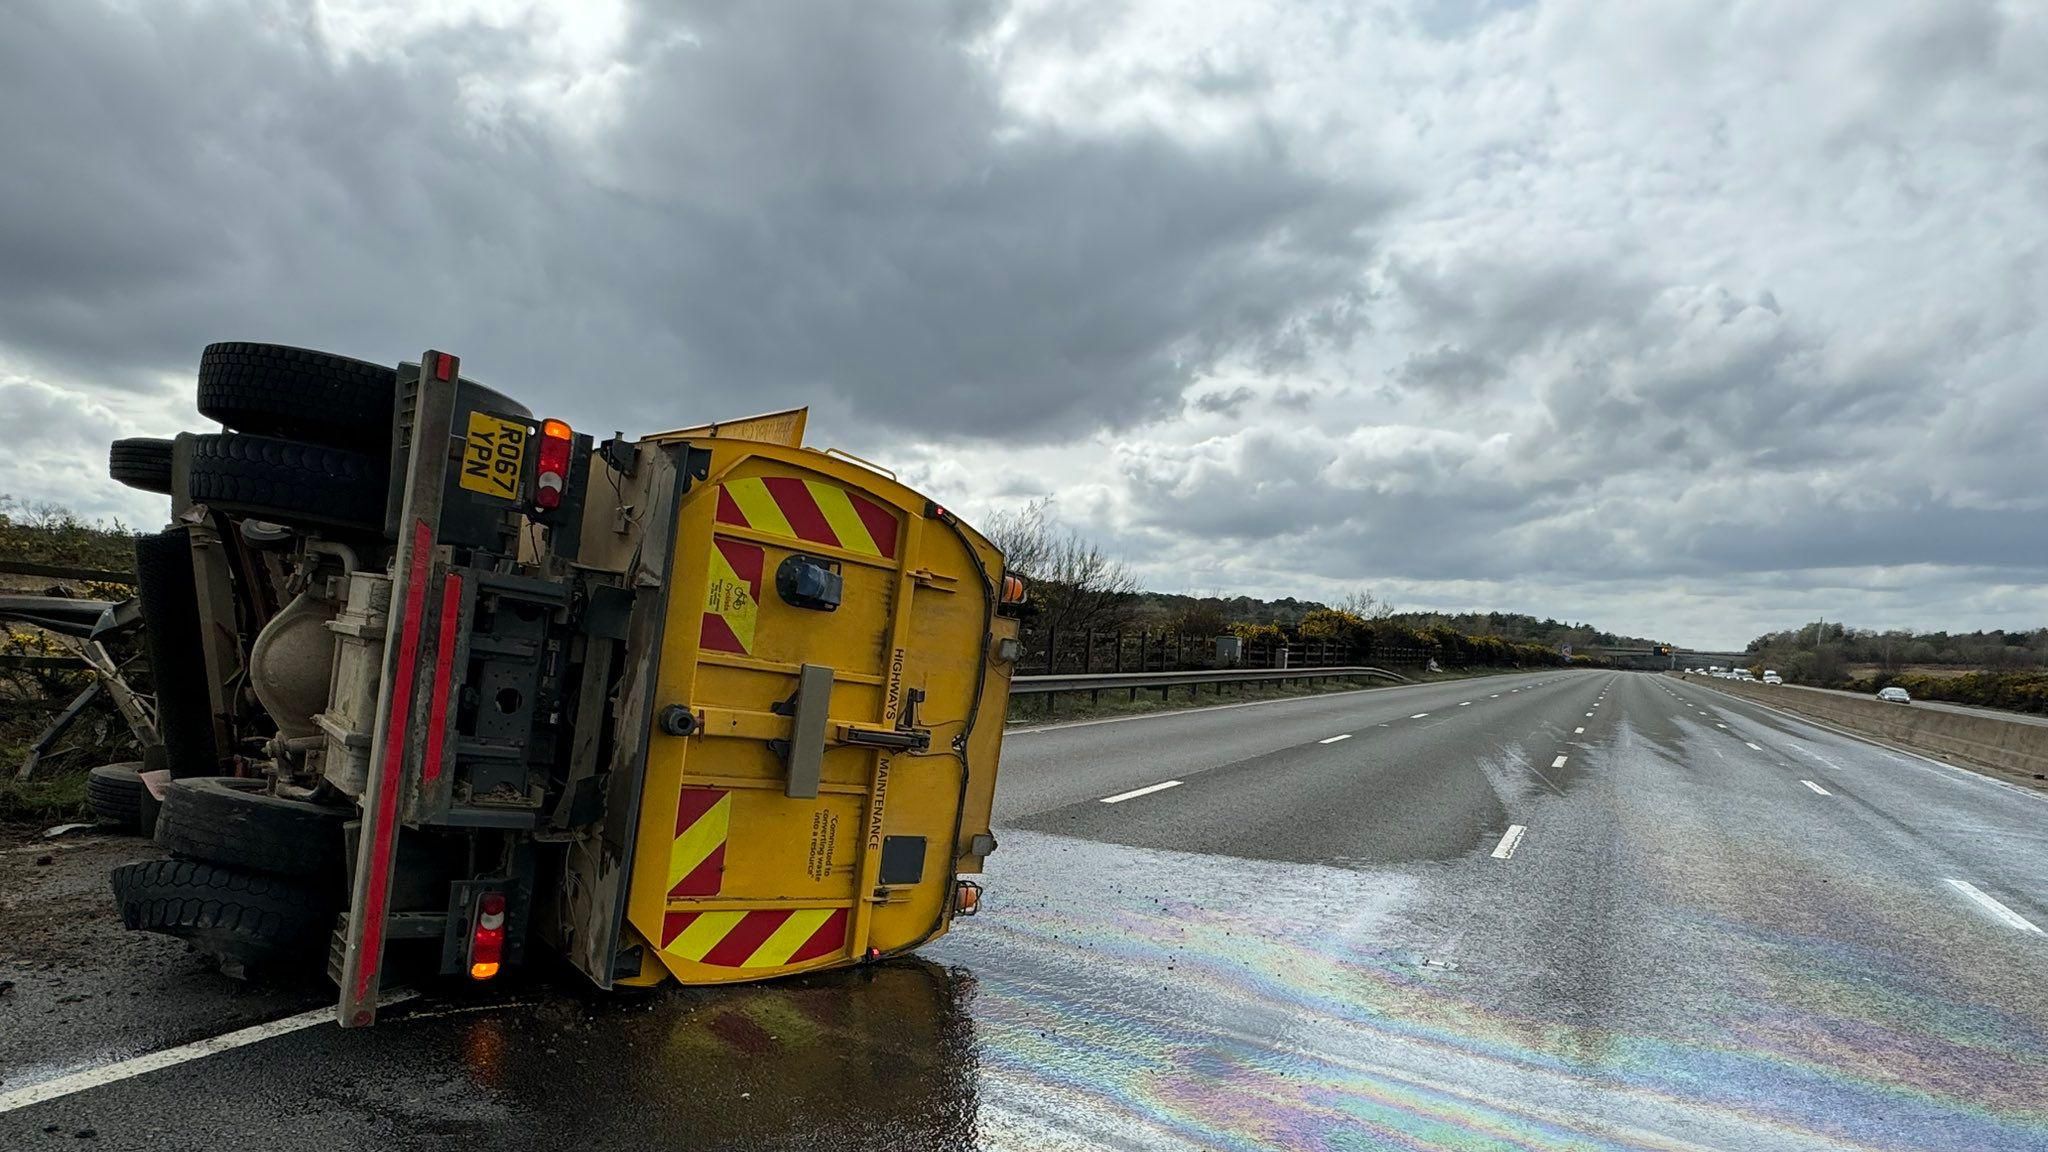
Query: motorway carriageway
x=1581 y=910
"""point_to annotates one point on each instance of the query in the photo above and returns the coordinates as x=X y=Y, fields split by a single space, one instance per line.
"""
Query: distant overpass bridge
x=1662 y=657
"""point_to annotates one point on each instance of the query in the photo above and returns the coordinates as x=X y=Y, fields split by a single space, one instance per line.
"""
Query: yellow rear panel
x=734 y=878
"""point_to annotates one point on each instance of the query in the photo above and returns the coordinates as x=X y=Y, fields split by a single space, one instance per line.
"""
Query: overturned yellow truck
x=706 y=705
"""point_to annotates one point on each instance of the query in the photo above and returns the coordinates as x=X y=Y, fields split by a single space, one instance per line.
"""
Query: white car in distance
x=1894 y=696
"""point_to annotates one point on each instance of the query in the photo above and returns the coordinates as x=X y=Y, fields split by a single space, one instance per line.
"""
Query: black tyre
x=225 y=820
x=115 y=793
x=177 y=668
x=298 y=394
x=247 y=919
x=141 y=462
x=289 y=482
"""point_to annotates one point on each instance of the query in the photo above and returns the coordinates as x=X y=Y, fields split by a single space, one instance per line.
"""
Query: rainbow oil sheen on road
x=1143 y=999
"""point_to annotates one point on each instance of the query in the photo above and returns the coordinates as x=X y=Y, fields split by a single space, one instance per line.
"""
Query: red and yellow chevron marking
x=809 y=510
x=696 y=860
x=773 y=938
x=732 y=602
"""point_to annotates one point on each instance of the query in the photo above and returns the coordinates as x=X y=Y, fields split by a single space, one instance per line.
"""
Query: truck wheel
x=232 y=821
x=246 y=920
x=170 y=635
x=298 y=394
x=115 y=793
x=141 y=462
x=289 y=482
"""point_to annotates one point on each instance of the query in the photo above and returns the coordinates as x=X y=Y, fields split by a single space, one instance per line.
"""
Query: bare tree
x=1074 y=584
x=1366 y=606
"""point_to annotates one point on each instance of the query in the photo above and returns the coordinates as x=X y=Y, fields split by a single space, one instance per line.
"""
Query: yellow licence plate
x=494 y=456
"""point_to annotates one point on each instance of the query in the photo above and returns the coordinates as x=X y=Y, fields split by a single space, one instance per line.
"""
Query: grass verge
x=44 y=802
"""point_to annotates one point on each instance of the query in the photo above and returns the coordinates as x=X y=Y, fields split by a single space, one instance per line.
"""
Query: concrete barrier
x=2011 y=750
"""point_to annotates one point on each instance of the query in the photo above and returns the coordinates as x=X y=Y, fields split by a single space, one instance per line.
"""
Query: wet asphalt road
x=1718 y=927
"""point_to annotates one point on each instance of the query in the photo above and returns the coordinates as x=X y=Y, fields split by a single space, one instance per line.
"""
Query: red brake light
x=556 y=442
x=487 y=936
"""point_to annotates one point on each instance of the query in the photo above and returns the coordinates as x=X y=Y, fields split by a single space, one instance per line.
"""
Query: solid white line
x=1511 y=838
x=1753 y=747
x=1954 y=773
x=1559 y=762
x=134 y=1066
x=1816 y=788
x=1576 y=731
x=1337 y=737
x=1418 y=715
x=2010 y=917
x=1134 y=793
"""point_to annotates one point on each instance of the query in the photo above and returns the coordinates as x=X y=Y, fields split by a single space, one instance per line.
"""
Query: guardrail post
x=1088 y=665
x=1144 y=656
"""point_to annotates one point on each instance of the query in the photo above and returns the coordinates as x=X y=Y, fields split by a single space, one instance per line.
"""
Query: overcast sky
x=1687 y=319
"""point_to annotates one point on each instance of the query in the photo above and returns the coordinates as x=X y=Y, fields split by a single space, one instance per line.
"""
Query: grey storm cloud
x=1495 y=302
x=832 y=209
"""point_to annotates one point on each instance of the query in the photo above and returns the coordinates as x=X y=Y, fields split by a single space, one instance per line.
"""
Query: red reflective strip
x=828 y=939
x=746 y=561
x=444 y=366
x=693 y=803
x=718 y=636
x=672 y=925
x=444 y=660
x=880 y=522
x=794 y=498
x=750 y=933
x=729 y=512
x=705 y=879
x=384 y=821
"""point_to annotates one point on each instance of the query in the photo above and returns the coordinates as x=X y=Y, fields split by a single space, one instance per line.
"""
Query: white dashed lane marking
x=1559 y=762
x=2009 y=917
x=1510 y=839
x=1817 y=788
x=1334 y=739
x=1134 y=793
x=1753 y=747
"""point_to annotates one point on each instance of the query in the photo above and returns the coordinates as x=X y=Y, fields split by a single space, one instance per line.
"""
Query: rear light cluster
x=556 y=440
x=487 y=936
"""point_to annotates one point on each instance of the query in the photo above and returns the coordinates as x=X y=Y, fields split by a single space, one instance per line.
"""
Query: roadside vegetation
x=1995 y=669
x=36 y=680
x=1082 y=597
